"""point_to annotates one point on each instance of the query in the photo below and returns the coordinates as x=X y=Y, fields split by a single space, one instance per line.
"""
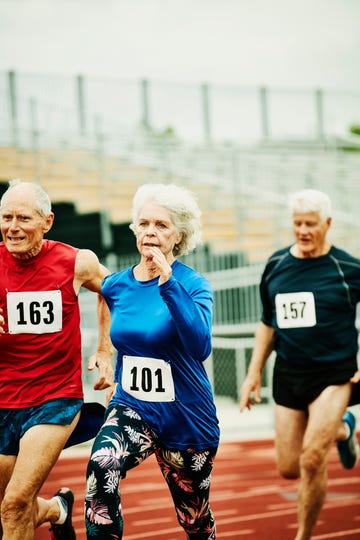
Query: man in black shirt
x=309 y=293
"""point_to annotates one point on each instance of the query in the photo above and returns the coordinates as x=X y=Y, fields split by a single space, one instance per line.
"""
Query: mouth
x=15 y=239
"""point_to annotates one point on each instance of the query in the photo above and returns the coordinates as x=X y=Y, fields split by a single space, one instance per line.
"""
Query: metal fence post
x=145 y=116
x=34 y=125
x=13 y=106
x=80 y=94
x=106 y=235
x=240 y=366
x=264 y=111
x=319 y=103
x=205 y=99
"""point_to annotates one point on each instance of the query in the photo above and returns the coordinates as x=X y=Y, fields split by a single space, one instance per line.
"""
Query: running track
x=249 y=499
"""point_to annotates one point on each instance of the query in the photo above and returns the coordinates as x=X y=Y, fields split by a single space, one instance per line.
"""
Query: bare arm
x=264 y=338
x=89 y=273
x=102 y=359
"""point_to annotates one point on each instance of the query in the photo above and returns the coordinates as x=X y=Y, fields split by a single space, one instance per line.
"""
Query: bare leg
x=21 y=511
x=290 y=426
x=325 y=415
x=7 y=464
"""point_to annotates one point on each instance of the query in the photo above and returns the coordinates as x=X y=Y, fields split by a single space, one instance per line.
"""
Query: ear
x=179 y=238
x=48 y=222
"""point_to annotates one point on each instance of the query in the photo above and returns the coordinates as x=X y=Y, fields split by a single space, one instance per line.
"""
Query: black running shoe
x=65 y=531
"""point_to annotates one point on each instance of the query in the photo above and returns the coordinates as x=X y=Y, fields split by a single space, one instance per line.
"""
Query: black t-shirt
x=311 y=303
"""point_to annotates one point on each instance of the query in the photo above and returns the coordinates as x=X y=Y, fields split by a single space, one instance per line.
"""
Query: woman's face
x=155 y=227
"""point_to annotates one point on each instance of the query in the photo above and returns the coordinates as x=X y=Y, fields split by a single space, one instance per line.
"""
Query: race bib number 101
x=295 y=310
x=38 y=312
x=148 y=379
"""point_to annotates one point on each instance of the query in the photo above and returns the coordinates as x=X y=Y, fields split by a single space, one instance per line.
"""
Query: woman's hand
x=160 y=262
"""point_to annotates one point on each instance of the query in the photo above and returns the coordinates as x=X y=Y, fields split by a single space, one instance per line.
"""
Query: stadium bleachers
x=81 y=182
x=244 y=207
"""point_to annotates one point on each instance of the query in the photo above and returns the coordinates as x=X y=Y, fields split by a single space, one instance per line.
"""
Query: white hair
x=42 y=199
x=183 y=208
x=311 y=200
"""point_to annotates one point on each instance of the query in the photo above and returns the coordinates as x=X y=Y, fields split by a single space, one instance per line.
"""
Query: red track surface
x=249 y=499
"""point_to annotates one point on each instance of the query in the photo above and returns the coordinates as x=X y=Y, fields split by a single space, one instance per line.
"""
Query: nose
x=13 y=224
x=150 y=230
x=303 y=229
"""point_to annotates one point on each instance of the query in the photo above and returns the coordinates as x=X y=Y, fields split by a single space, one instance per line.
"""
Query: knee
x=94 y=474
x=15 y=507
x=312 y=460
x=197 y=522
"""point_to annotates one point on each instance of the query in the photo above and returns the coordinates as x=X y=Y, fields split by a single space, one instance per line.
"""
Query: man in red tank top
x=41 y=391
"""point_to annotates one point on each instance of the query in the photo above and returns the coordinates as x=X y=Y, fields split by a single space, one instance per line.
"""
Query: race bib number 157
x=295 y=310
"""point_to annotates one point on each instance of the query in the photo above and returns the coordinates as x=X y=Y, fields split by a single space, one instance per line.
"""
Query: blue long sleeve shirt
x=171 y=322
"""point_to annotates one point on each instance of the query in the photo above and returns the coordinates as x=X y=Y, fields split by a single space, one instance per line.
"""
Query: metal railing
x=199 y=113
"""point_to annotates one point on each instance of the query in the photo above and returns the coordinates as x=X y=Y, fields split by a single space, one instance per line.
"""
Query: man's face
x=310 y=233
x=22 y=226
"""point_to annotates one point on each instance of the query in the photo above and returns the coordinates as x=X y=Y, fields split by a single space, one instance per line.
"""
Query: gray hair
x=183 y=208
x=42 y=199
x=311 y=200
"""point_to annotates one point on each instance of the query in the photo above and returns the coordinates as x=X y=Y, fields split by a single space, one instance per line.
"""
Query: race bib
x=147 y=379
x=295 y=310
x=38 y=312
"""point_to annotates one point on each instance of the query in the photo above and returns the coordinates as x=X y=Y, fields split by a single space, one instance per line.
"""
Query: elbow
x=205 y=352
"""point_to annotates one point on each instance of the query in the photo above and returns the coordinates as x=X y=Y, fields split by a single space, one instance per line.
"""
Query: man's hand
x=110 y=393
x=103 y=361
x=251 y=385
x=356 y=377
x=2 y=322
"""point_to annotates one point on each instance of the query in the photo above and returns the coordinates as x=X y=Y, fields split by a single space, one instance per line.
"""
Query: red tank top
x=40 y=354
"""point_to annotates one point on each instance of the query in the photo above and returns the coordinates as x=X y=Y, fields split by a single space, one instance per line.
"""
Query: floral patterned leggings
x=123 y=442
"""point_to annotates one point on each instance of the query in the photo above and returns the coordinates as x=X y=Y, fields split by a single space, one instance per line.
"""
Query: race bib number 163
x=295 y=310
x=38 y=312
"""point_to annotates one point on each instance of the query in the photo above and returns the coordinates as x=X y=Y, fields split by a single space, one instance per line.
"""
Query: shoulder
x=88 y=266
x=344 y=258
x=342 y=254
x=52 y=245
x=189 y=276
x=86 y=257
x=59 y=252
x=277 y=258
x=115 y=278
x=279 y=254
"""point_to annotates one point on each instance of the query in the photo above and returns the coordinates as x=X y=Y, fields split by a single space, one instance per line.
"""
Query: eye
x=6 y=218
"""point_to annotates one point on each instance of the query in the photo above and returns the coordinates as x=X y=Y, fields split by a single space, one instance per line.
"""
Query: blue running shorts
x=15 y=422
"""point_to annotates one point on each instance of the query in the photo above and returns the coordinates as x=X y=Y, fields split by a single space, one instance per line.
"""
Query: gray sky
x=304 y=43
